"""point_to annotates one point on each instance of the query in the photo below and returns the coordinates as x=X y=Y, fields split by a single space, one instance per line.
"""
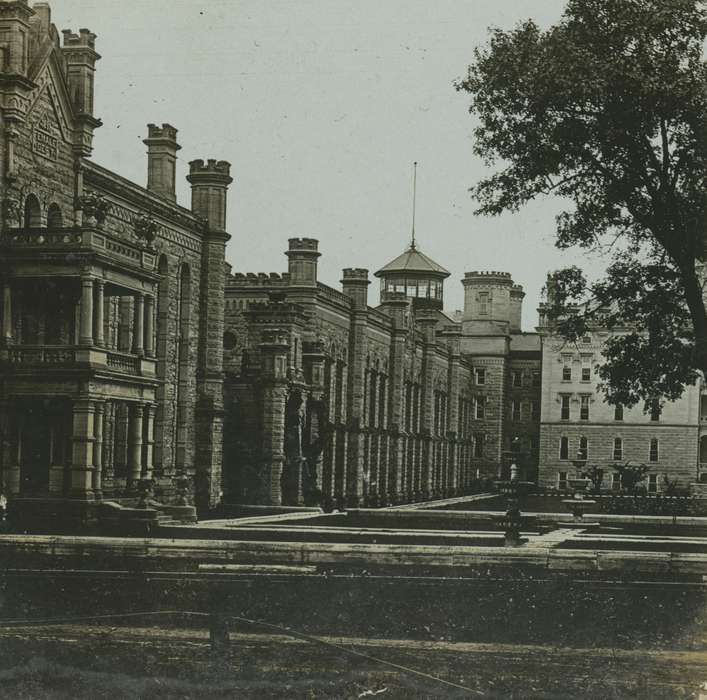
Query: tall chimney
x=162 y=150
x=209 y=190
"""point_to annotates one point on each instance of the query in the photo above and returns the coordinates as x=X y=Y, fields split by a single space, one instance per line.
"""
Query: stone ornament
x=146 y=229
x=94 y=208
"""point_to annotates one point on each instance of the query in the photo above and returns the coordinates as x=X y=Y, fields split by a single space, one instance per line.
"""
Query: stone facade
x=331 y=400
x=579 y=428
x=112 y=315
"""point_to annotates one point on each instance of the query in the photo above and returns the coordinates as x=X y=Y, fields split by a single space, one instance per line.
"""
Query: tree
x=606 y=109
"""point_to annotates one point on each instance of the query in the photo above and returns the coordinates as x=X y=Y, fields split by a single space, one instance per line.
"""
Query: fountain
x=579 y=503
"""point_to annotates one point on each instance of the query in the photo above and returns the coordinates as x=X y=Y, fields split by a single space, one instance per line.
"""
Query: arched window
x=54 y=216
x=33 y=212
x=183 y=352
x=161 y=457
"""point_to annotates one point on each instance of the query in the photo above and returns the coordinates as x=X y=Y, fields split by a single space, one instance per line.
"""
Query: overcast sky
x=321 y=106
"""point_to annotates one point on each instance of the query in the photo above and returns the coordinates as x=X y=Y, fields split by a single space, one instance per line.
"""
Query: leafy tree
x=595 y=475
x=606 y=110
x=631 y=475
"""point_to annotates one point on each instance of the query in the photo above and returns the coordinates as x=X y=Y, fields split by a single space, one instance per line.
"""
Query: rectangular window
x=535 y=410
x=480 y=406
x=653 y=451
x=618 y=412
x=584 y=408
x=517 y=378
x=536 y=380
x=484 y=304
x=583 y=451
x=618 y=449
x=615 y=482
x=565 y=407
x=655 y=411
x=562 y=480
x=480 y=374
x=534 y=443
x=479 y=445
x=586 y=339
x=515 y=410
x=586 y=369
x=567 y=368
x=564 y=448
x=652 y=483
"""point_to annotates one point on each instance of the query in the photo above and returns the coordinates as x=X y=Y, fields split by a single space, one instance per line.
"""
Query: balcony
x=32 y=357
x=79 y=240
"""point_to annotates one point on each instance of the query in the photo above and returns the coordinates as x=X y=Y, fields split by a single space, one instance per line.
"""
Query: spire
x=414 y=198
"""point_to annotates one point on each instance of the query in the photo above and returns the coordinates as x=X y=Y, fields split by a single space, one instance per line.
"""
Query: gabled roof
x=412 y=260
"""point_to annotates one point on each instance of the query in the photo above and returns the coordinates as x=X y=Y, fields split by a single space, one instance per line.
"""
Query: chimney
x=162 y=150
x=209 y=190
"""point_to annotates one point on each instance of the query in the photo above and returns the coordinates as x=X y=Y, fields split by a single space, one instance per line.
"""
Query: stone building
x=329 y=398
x=579 y=428
x=112 y=313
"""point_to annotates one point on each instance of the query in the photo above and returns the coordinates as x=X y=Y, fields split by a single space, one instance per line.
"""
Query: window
x=480 y=406
x=517 y=378
x=480 y=375
x=586 y=339
x=536 y=379
x=615 y=481
x=515 y=410
x=653 y=451
x=534 y=443
x=484 y=305
x=564 y=447
x=583 y=451
x=655 y=410
x=567 y=368
x=562 y=480
x=652 y=483
x=618 y=449
x=586 y=368
x=565 y=407
x=535 y=410
x=584 y=408
x=618 y=412
x=479 y=445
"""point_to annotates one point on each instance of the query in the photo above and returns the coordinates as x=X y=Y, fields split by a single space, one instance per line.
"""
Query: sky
x=321 y=106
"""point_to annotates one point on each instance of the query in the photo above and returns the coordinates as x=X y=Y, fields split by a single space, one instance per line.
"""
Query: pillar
x=149 y=326
x=138 y=317
x=98 y=449
x=86 y=312
x=98 y=314
x=7 y=312
x=136 y=412
x=149 y=422
x=82 y=448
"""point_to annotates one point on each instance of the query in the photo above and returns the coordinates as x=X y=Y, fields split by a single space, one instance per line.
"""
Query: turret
x=491 y=303
x=355 y=286
x=302 y=255
x=209 y=190
x=15 y=18
x=162 y=150
x=79 y=51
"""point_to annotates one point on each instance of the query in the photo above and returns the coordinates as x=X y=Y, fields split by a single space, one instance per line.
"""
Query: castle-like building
x=112 y=293
x=332 y=396
x=130 y=354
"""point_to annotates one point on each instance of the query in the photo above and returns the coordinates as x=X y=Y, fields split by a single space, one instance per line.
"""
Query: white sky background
x=321 y=106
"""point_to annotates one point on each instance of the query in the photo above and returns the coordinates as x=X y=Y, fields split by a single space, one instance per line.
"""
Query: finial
x=414 y=198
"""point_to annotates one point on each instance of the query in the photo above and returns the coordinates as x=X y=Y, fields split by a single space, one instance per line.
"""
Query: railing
x=123 y=362
x=42 y=355
x=86 y=237
x=333 y=294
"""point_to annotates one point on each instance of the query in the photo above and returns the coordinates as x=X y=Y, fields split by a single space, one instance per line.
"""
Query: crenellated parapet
x=209 y=187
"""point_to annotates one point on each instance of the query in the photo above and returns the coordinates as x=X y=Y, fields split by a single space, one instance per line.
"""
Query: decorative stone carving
x=146 y=229
x=94 y=207
x=10 y=212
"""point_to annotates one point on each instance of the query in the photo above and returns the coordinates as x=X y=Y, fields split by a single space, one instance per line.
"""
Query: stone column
x=83 y=441
x=98 y=449
x=86 y=318
x=136 y=412
x=427 y=322
x=98 y=314
x=138 y=317
x=150 y=326
x=7 y=312
x=149 y=440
